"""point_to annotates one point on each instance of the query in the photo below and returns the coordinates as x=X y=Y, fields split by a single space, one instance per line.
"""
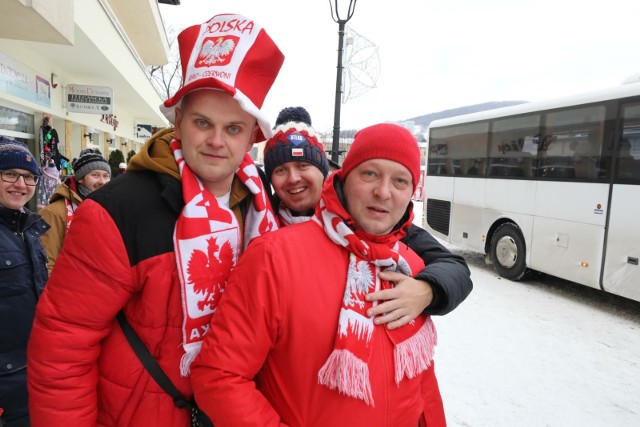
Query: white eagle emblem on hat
x=216 y=51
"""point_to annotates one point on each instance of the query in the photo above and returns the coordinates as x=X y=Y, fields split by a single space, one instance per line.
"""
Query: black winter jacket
x=447 y=273
x=23 y=274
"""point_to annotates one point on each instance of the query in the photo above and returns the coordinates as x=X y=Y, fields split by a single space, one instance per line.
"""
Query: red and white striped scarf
x=346 y=369
x=287 y=218
x=71 y=208
x=207 y=244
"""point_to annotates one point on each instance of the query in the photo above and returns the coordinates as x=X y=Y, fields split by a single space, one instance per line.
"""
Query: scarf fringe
x=344 y=372
x=190 y=353
x=414 y=355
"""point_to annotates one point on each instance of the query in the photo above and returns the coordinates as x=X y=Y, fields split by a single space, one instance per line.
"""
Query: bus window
x=456 y=151
x=514 y=146
x=572 y=144
x=628 y=155
x=473 y=167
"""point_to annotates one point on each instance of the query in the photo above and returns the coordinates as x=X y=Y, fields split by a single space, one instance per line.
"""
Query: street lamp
x=335 y=14
x=89 y=134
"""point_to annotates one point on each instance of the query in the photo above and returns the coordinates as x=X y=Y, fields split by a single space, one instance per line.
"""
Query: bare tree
x=167 y=79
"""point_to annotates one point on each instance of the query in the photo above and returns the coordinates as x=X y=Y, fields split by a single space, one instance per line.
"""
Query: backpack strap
x=150 y=364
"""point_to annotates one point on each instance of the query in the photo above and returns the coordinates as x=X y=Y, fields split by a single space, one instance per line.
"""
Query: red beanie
x=384 y=141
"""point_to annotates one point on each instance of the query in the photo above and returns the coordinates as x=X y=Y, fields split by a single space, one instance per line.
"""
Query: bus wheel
x=508 y=252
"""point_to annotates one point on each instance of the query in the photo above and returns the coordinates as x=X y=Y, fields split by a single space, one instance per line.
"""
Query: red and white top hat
x=232 y=53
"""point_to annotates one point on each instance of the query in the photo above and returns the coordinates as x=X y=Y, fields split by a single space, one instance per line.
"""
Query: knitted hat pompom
x=293 y=114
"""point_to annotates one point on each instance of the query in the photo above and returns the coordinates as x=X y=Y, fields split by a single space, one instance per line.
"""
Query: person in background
x=296 y=166
x=91 y=171
x=23 y=274
x=122 y=168
x=294 y=342
x=49 y=181
x=171 y=228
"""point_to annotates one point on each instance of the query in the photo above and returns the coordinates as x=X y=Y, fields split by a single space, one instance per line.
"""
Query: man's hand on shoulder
x=401 y=304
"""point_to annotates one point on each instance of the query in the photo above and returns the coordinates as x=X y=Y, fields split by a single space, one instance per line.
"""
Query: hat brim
x=168 y=108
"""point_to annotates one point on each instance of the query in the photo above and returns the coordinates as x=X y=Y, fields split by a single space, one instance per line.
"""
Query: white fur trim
x=243 y=100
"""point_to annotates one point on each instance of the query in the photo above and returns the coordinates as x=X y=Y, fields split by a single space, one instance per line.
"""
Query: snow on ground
x=543 y=352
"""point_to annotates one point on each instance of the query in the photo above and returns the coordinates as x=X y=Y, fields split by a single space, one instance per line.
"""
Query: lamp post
x=335 y=14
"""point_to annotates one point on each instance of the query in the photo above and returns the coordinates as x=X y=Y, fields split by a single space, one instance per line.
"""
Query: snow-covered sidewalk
x=539 y=353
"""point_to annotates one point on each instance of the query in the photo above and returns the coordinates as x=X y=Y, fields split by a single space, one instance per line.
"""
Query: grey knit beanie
x=89 y=161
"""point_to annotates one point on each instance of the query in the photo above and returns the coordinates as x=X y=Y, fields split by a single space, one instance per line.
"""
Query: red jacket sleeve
x=243 y=330
x=90 y=283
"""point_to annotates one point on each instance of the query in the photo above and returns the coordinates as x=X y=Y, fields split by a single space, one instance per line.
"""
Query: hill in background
x=418 y=125
x=423 y=121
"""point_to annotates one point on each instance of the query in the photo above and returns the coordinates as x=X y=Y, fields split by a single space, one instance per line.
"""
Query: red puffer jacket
x=118 y=254
x=82 y=371
x=275 y=328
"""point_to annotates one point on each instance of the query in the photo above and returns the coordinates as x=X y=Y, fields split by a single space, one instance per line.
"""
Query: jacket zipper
x=385 y=358
x=13 y=371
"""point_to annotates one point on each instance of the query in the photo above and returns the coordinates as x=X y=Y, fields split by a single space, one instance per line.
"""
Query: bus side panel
x=466 y=215
x=510 y=195
x=560 y=247
x=466 y=227
x=569 y=230
x=438 y=188
x=570 y=201
x=621 y=271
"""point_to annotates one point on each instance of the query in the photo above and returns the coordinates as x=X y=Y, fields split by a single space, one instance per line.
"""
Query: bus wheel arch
x=508 y=251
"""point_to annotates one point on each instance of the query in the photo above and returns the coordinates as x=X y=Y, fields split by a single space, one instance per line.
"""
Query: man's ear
x=254 y=137
x=178 y=122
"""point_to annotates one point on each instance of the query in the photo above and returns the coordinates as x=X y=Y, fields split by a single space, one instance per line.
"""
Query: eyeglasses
x=11 y=176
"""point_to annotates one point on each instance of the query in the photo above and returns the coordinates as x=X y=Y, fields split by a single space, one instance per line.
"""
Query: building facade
x=79 y=66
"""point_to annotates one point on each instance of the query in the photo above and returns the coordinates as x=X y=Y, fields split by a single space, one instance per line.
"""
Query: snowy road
x=543 y=352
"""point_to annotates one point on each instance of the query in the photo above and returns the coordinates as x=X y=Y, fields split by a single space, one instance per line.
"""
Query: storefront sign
x=110 y=119
x=144 y=131
x=20 y=80
x=89 y=99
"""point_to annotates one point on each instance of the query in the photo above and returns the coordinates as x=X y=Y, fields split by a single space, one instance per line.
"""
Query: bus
x=549 y=186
